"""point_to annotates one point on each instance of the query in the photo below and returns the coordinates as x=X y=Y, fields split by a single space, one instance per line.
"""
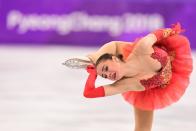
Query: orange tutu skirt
x=156 y=98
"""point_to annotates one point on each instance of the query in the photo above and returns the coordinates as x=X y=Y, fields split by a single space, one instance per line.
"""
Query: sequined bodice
x=162 y=77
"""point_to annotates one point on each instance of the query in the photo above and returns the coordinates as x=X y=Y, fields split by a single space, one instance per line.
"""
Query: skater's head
x=110 y=66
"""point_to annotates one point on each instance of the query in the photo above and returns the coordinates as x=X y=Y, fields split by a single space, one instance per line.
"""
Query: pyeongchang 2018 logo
x=82 y=21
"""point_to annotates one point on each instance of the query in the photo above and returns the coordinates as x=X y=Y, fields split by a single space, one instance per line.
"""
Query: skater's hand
x=91 y=69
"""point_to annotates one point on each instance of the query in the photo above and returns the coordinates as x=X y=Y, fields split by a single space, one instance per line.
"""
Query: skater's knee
x=142 y=129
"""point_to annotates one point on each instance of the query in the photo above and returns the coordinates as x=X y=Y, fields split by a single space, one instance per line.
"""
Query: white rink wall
x=37 y=93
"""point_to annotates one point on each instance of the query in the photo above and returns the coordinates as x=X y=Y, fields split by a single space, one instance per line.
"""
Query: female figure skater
x=150 y=73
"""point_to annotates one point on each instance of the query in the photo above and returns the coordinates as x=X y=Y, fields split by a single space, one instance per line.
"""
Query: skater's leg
x=143 y=120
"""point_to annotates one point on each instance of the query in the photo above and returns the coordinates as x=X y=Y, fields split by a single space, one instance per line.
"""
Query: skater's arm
x=123 y=85
x=145 y=44
x=113 y=47
x=118 y=87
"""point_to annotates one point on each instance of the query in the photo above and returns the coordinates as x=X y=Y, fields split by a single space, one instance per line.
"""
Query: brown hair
x=107 y=56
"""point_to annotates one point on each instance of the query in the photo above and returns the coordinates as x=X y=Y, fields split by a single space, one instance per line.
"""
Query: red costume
x=169 y=84
x=174 y=78
x=90 y=91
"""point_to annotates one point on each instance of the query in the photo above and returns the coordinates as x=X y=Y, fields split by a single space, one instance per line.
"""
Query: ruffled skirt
x=178 y=48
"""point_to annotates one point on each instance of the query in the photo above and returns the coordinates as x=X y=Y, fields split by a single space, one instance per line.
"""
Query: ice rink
x=37 y=93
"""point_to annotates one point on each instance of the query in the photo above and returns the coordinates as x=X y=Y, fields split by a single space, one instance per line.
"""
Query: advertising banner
x=86 y=22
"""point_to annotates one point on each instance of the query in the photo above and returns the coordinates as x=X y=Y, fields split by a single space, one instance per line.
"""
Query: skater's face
x=110 y=69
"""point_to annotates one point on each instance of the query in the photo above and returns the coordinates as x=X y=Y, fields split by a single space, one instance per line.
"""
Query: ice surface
x=37 y=93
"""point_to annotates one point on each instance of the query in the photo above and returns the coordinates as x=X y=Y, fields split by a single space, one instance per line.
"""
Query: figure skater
x=151 y=73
